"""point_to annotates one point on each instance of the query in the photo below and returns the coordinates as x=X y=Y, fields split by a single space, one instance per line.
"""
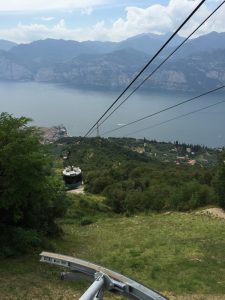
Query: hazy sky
x=115 y=20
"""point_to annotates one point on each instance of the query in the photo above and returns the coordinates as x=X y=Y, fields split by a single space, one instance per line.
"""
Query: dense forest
x=134 y=179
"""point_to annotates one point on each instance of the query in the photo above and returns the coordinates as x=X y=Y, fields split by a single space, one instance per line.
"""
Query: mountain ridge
x=6 y=45
x=113 y=65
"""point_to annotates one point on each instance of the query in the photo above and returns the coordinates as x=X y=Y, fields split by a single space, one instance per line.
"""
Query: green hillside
x=140 y=175
x=142 y=215
x=177 y=254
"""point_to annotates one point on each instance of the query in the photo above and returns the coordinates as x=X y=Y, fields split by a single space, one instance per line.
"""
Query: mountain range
x=198 y=64
x=6 y=45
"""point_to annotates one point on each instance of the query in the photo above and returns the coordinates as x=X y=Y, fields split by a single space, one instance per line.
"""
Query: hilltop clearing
x=179 y=254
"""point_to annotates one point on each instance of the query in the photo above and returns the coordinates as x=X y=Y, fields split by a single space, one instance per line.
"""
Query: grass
x=26 y=279
x=177 y=254
x=180 y=253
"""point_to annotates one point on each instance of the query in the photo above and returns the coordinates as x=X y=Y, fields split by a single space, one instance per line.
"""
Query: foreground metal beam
x=94 y=289
x=104 y=278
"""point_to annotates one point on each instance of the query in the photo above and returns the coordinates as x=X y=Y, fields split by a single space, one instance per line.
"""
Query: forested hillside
x=130 y=175
x=134 y=188
x=140 y=175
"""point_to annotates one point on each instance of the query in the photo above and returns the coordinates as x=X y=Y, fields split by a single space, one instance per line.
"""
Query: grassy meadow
x=181 y=255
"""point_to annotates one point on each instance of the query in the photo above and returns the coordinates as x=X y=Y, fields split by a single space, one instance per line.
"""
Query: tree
x=115 y=196
x=219 y=180
x=31 y=198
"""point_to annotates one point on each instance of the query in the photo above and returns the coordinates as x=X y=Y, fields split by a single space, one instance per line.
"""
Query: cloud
x=25 y=33
x=87 y=11
x=161 y=19
x=153 y=19
x=47 y=19
x=25 y=5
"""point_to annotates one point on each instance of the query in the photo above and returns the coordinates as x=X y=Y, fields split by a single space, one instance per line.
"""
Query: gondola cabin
x=72 y=175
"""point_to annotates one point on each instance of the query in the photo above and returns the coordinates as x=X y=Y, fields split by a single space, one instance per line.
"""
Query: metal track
x=103 y=278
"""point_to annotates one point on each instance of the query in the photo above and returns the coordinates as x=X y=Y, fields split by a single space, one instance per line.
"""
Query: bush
x=98 y=184
x=85 y=206
x=86 y=221
x=134 y=201
x=192 y=195
x=158 y=197
x=115 y=196
x=17 y=240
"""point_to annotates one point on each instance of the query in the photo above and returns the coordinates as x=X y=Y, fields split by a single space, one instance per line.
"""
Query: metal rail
x=104 y=279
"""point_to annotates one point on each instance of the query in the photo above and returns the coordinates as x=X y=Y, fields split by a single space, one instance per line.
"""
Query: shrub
x=134 y=201
x=115 y=196
x=158 y=197
x=86 y=221
x=98 y=184
x=192 y=195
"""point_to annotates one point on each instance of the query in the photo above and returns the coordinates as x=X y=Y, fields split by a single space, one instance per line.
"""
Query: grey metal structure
x=104 y=279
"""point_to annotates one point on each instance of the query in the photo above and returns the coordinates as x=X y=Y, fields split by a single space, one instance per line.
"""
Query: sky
x=24 y=21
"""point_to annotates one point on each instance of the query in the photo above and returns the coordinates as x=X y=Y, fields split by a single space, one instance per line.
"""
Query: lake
x=78 y=110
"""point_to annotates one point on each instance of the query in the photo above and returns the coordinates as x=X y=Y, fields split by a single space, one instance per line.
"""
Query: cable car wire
x=176 y=118
x=145 y=67
x=156 y=69
x=165 y=109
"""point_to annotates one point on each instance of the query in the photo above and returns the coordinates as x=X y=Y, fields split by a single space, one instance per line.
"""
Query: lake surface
x=78 y=110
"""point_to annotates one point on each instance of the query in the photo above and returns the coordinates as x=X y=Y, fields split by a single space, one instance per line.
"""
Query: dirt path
x=214 y=212
x=79 y=190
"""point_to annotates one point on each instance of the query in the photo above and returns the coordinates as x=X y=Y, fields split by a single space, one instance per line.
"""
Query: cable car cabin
x=72 y=175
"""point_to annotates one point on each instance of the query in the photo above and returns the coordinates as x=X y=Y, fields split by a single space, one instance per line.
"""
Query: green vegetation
x=85 y=209
x=126 y=221
x=219 y=180
x=134 y=181
x=31 y=198
x=175 y=253
x=100 y=152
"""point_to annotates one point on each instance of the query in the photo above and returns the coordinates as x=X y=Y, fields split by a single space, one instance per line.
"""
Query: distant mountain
x=50 y=51
x=115 y=70
x=110 y=70
x=6 y=45
x=204 y=43
x=11 y=69
x=148 y=42
x=198 y=65
x=198 y=72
